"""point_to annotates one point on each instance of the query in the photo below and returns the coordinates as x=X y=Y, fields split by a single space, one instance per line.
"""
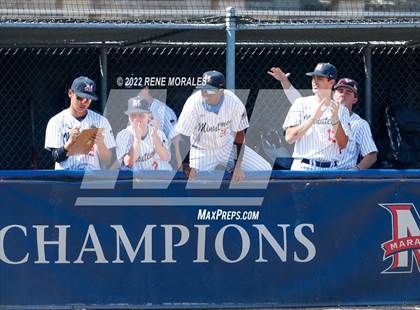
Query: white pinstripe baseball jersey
x=57 y=134
x=211 y=133
x=319 y=141
x=147 y=158
x=166 y=117
x=362 y=144
x=292 y=94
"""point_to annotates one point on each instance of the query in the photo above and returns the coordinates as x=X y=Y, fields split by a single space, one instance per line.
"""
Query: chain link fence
x=197 y=10
x=45 y=44
x=37 y=79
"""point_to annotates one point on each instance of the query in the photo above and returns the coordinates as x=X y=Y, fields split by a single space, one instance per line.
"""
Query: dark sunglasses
x=83 y=100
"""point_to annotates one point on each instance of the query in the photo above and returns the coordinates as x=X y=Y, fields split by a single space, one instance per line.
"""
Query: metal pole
x=103 y=64
x=230 y=47
x=368 y=83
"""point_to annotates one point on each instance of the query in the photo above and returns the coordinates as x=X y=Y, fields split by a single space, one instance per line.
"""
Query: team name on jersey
x=146 y=156
x=204 y=127
x=321 y=121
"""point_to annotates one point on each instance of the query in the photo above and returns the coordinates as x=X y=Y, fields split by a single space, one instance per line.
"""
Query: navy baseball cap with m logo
x=324 y=69
x=212 y=80
x=84 y=87
x=138 y=104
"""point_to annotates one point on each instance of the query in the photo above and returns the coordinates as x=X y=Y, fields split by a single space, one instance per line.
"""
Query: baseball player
x=318 y=125
x=347 y=92
x=142 y=145
x=362 y=144
x=215 y=119
x=64 y=128
x=167 y=119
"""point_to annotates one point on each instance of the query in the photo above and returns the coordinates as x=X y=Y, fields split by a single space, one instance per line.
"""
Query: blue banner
x=308 y=239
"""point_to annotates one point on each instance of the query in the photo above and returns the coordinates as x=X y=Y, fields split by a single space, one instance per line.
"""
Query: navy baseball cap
x=348 y=83
x=84 y=87
x=212 y=80
x=324 y=69
x=138 y=105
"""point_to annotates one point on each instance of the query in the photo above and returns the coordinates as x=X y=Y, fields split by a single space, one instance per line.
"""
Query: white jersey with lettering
x=319 y=142
x=57 y=134
x=211 y=133
x=362 y=144
x=147 y=158
x=166 y=117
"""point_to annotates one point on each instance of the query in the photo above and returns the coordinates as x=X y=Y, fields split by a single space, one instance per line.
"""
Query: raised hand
x=278 y=74
x=335 y=107
x=322 y=107
x=238 y=175
x=140 y=129
x=155 y=126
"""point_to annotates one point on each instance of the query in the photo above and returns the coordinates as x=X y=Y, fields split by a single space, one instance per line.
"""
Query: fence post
x=368 y=83
x=230 y=48
x=103 y=64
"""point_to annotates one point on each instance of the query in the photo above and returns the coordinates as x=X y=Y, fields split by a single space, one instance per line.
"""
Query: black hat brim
x=86 y=95
x=316 y=73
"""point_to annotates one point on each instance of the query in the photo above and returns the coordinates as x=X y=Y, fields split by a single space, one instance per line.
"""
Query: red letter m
x=404 y=247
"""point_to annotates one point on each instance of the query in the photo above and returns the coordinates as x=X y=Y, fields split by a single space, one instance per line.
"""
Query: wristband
x=335 y=123
x=239 y=154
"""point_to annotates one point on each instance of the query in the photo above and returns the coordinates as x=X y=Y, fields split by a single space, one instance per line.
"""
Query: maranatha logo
x=404 y=247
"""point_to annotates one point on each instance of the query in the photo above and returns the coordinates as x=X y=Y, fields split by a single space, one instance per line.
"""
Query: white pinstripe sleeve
x=295 y=115
x=367 y=145
x=53 y=134
x=163 y=138
x=171 y=114
x=292 y=94
x=108 y=135
x=187 y=120
x=344 y=117
x=240 y=119
x=125 y=141
x=169 y=123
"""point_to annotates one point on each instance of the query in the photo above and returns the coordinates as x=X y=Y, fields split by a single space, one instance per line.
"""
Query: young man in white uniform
x=167 y=119
x=64 y=128
x=318 y=125
x=215 y=119
x=346 y=91
x=142 y=145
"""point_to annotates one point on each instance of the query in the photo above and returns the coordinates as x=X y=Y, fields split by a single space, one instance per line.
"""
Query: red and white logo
x=404 y=247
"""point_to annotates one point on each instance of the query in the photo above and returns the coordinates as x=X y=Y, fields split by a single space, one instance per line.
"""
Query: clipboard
x=84 y=142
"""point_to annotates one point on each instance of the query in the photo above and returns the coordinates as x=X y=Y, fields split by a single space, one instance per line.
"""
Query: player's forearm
x=295 y=133
x=160 y=148
x=285 y=83
x=340 y=135
x=105 y=156
x=68 y=144
x=175 y=142
x=131 y=157
x=368 y=161
x=291 y=93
